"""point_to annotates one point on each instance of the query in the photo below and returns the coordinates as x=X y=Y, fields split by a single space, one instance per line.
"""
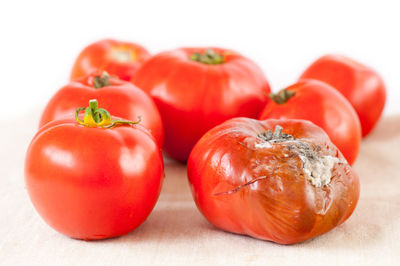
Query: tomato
x=195 y=89
x=120 y=97
x=118 y=58
x=277 y=180
x=93 y=179
x=361 y=85
x=321 y=104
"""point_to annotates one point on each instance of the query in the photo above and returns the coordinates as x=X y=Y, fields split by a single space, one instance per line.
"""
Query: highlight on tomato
x=361 y=85
x=321 y=104
x=118 y=58
x=196 y=89
x=277 y=180
x=119 y=97
x=96 y=177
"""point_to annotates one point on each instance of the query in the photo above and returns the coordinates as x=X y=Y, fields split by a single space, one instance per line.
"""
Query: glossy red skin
x=263 y=193
x=362 y=86
x=321 y=104
x=93 y=183
x=98 y=56
x=121 y=99
x=193 y=97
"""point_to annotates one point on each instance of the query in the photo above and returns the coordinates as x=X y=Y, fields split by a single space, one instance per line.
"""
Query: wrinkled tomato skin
x=120 y=98
x=193 y=97
x=263 y=193
x=361 y=85
x=93 y=183
x=321 y=104
x=100 y=56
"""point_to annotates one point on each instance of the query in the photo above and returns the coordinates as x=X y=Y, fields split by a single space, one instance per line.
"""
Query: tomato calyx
x=99 y=117
x=209 y=57
x=101 y=81
x=276 y=136
x=268 y=138
x=282 y=96
x=123 y=55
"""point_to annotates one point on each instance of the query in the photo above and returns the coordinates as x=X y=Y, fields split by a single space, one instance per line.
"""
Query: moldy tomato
x=321 y=104
x=117 y=58
x=96 y=178
x=196 y=89
x=277 y=180
x=119 y=97
x=361 y=85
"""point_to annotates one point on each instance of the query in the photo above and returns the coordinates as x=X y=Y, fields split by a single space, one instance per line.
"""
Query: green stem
x=209 y=57
x=282 y=97
x=101 y=81
x=99 y=117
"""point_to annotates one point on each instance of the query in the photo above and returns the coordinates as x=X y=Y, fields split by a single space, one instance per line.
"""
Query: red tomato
x=321 y=104
x=120 y=97
x=118 y=58
x=196 y=89
x=96 y=180
x=285 y=186
x=361 y=85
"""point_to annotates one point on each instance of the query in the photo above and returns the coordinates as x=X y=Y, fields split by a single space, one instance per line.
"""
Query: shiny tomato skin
x=103 y=56
x=193 y=97
x=361 y=85
x=120 y=98
x=321 y=104
x=93 y=183
x=262 y=192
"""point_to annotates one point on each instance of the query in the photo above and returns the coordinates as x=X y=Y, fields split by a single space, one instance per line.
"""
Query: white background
x=40 y=40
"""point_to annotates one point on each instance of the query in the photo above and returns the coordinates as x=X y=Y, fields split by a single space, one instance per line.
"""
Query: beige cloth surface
x=176 y=233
